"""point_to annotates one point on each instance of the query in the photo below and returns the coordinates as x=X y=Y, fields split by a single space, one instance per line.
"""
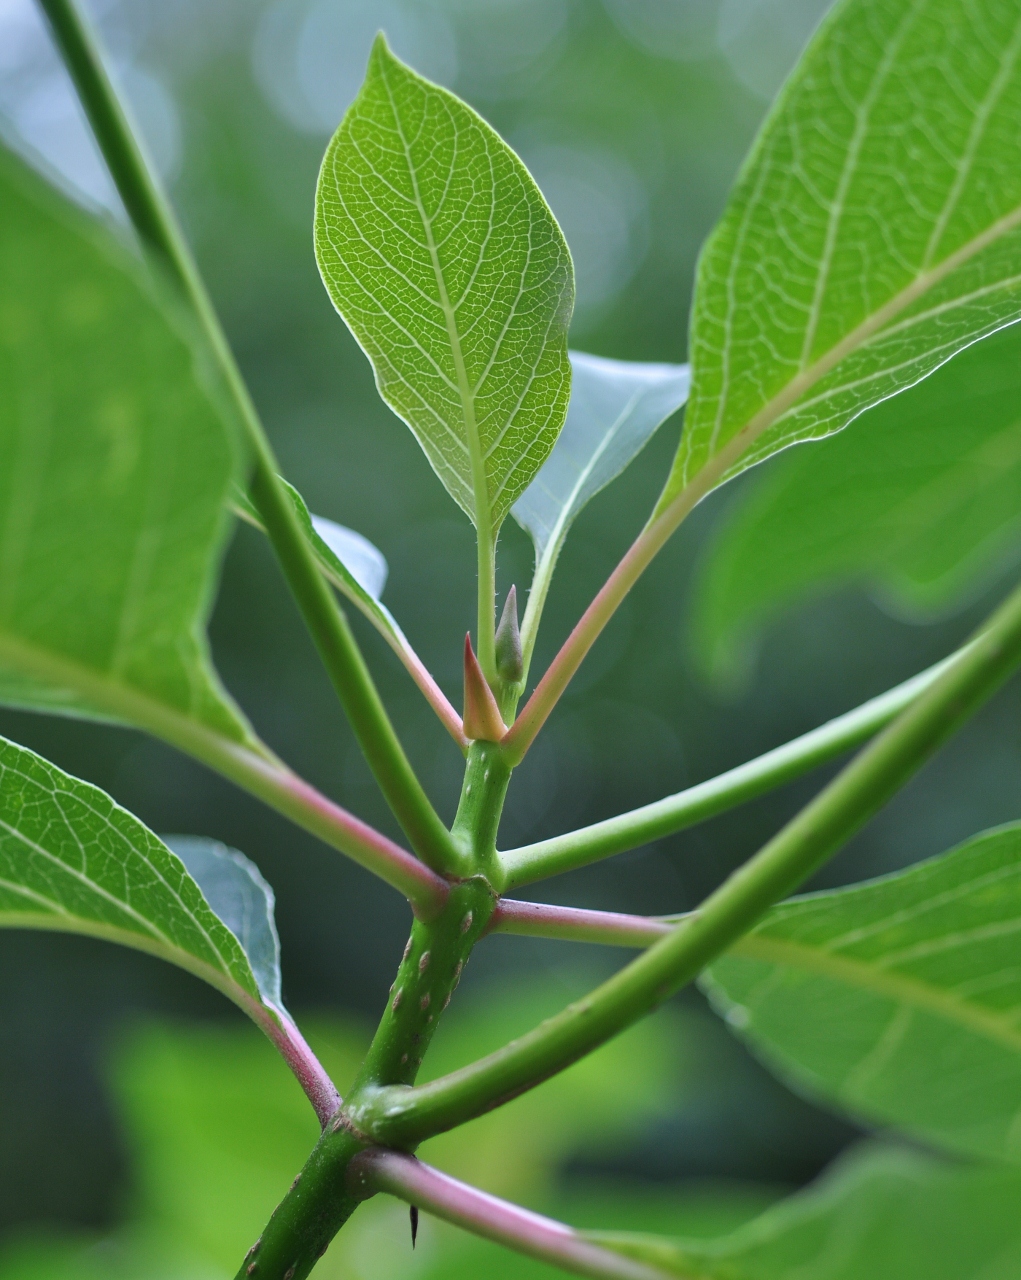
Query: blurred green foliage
x=217 y=1127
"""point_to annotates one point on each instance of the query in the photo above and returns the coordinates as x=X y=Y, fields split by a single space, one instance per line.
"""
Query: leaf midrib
x=894 y=986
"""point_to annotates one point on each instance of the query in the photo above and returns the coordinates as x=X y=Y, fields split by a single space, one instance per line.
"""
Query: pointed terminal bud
x=481 y=714
x=510 y=663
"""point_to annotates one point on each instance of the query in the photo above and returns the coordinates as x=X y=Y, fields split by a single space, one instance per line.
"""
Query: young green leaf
x=615 y=408
x=898 y=998
x=874 y=231
x=74 y=861
x=920 y=501
x=884 y=1214
x=441 y=255
x=116 y=466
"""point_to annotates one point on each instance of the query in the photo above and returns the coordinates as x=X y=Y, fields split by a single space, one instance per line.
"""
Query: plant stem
x=487 y=603
x=308 y=1070
x=695 y=804
x=578 y=924
x=158 y=229
x=320 y=1201
x=390 y=632
x=529 y=1233
x=408 y=1116
x=558 y=674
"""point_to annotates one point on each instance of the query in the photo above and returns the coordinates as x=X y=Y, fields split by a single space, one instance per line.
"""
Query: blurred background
x=143 y=1129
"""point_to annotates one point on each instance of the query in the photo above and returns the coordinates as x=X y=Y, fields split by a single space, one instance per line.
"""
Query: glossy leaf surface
x=616 y=406
x=921 y=502
x=441 y=255
x=887 y=1215
x=874 y=230
x=900 y=998
x=74 y=861
x=116 y=466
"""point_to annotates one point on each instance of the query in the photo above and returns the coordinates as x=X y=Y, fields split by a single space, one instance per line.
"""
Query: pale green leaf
x=615 y=407
x=116 y=466
x=900 y=998
x=874 y=231
x=441 y=255
x=880 y=1215
x=921 y=502
x=72 y=860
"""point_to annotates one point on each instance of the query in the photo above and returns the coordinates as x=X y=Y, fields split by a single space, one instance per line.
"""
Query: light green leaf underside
x=116 y=465
x=880 y=1215
x=441 y=255
x=874 y=230
x=72 y=860
x=921 y=501
x=241 y=899
x=615 y=407
x=900 y=998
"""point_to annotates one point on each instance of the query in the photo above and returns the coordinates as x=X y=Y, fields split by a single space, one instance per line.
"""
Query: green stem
x=508 y=1224
x=407 y=1116
x=158 y=229
x=487 y=603
x=319 y=1203
x=674 y=813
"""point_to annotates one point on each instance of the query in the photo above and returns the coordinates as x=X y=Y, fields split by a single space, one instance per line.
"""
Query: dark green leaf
x=440 y=253
x=899 y=998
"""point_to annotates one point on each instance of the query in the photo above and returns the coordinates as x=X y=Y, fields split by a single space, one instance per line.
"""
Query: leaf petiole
x=704 y=800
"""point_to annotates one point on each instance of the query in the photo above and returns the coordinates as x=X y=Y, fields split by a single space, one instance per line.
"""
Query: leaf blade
x=112 y=516
x=465 y=323
x=908 y=247
x=896 y=998
x=73 y=860
x=888 y=1214
x=616 y=406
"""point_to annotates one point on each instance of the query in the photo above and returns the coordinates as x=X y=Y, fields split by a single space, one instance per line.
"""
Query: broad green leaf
x=116 y=464
x=874 y=231
x=881 y=1214
x=921 y=502
x=899 y=998
x=74 y=861
x=441 y=255
x=615 y=407
x=241 y=899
